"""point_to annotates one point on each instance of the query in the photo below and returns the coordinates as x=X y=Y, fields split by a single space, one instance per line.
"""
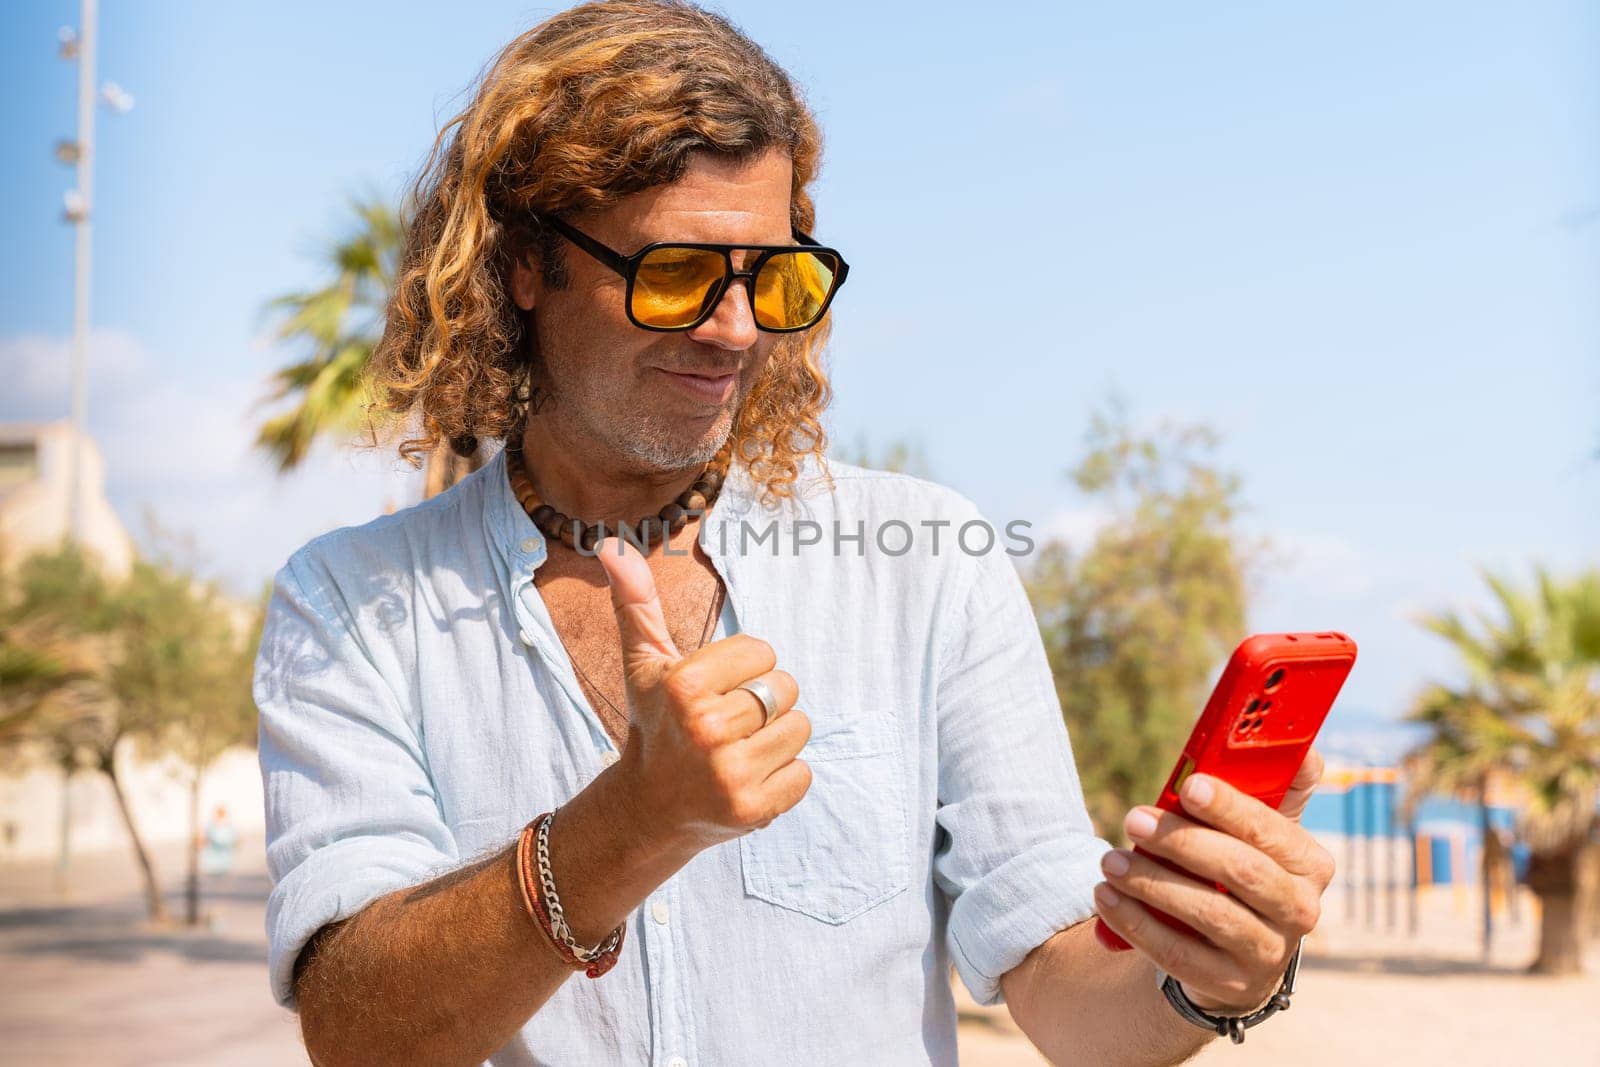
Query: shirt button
x=609 y=756
x=677 y=1061
x=525 y=637
x=529 y=544
x=658 y=912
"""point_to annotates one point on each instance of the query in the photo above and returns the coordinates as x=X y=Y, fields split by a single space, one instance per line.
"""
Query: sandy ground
x=84 y=980
x=1374 y=996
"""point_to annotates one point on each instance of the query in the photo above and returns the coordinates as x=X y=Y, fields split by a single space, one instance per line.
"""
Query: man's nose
x=731 y=325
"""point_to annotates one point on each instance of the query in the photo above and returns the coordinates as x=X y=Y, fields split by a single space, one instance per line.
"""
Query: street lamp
x=79 y=46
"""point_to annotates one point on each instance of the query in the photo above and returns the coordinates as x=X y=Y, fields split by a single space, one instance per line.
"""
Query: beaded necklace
x=577 y=534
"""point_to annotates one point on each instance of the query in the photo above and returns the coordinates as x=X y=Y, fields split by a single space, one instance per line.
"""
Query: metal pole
x=80 y=288
x=1484 y=854
x=1349 y=812
x=1391 y=881
x=1514 y=887
x=1416 y=871
x=1369 y=806
x=64 y=856
x=85 y=56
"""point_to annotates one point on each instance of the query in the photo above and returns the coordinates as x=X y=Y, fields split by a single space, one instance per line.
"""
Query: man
x=793 y=779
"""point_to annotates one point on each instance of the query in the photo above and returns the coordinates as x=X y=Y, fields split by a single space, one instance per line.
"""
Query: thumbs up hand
x=705 y=764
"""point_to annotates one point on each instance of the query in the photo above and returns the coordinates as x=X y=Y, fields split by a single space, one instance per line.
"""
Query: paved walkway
x=84 y=979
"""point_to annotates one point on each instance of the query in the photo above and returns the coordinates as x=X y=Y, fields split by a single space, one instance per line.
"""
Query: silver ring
x=763 y=692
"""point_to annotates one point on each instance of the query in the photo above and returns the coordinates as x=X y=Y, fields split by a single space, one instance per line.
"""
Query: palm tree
x=340 y=324
x=1529 y=714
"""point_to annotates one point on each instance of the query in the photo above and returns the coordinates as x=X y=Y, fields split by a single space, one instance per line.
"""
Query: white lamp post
x=80 y=46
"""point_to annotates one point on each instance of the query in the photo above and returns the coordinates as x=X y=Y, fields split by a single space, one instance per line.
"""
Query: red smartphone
x=1257 y=727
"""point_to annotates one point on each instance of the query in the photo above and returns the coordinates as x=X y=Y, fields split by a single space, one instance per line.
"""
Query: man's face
x=659 y=401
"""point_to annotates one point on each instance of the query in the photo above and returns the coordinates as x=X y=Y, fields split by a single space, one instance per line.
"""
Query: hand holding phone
x=1257 y=728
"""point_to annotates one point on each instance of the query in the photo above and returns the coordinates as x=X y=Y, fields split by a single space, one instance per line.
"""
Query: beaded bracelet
x=539 y=898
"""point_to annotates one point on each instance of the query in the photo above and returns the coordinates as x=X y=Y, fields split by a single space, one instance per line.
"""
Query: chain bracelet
x=558 y=921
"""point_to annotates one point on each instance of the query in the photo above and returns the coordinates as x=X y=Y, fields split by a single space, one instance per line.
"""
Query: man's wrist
x=607 y=854
x=1215 y=1007
x=1233 y=1023
x=647 y=840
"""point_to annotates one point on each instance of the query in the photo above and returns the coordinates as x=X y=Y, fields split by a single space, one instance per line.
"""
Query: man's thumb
x=643 y=627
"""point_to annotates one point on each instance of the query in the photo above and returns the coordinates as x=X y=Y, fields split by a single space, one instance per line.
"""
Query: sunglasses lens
x=792 y=289
x=674 y=285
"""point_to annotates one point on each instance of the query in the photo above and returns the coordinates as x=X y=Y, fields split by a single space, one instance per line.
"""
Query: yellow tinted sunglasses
x=673 y=285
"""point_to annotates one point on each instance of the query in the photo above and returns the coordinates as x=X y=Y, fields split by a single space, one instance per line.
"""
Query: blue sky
x=1360 y=239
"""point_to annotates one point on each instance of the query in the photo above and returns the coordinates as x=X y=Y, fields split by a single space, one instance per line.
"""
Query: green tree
x=338 y=325
x=39 y=666
x=184 y=670
x=80 y=722
x=1135 y=624
x=1527 y=713
x=159 y=663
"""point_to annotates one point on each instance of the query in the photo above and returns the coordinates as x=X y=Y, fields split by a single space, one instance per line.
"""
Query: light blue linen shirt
x=418 y=708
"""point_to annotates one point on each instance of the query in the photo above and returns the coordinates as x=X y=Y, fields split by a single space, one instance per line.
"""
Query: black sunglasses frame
x=628 y=268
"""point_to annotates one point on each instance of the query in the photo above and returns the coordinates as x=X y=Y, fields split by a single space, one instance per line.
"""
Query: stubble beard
x=658 y=446
x=639 y=434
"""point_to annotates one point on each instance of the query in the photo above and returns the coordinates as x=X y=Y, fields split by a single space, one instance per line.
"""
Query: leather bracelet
x=539 y=896
x=523 y=875
x=1233 y=1026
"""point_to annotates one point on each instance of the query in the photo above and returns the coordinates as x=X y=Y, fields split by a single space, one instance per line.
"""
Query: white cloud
x=149 y=422
x=38 y=368
x=183 y=450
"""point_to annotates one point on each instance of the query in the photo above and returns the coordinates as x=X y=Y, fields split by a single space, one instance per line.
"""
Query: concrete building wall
x=158 y=793
x=36 y=496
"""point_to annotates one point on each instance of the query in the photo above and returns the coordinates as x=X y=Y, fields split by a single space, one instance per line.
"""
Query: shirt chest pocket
x=843 y=849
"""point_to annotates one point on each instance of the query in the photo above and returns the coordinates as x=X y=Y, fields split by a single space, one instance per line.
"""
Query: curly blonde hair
x=598 y=102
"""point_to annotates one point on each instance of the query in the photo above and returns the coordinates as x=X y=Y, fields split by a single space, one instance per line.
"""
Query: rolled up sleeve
x=351 y=812
x=1018 y=857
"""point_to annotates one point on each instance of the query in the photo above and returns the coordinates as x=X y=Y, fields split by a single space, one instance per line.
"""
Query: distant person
x=495 y=759
x=218 y=843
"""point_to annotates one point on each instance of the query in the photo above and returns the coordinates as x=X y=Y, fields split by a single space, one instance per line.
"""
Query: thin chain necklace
x=574 y=533
x=705 y=635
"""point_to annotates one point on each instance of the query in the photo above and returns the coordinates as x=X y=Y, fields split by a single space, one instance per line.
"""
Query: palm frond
x=1530 y=713
x=339 y=326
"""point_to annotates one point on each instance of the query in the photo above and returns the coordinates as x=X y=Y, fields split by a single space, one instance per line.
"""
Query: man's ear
x=524 y=283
